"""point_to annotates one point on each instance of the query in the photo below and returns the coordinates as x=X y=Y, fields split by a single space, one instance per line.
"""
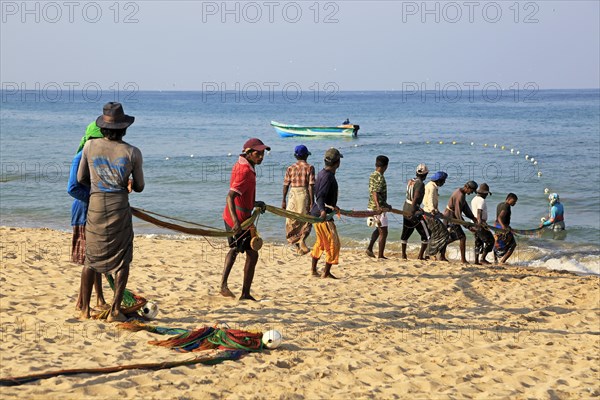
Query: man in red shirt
x=240 y=203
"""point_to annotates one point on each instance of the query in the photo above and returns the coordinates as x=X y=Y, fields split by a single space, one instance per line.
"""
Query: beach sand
x=385 y=329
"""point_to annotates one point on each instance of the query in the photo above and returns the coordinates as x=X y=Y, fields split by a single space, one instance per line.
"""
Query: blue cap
x=301 y=151
x=439 y=176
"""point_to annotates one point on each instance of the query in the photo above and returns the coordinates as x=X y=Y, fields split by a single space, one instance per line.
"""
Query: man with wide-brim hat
x=484 y=239
x=113 y=117
x=484 y=189
x=240 y=202
x=106 y=167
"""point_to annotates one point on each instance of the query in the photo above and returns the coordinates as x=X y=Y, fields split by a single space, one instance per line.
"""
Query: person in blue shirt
x=556 y=220
x=81 y=195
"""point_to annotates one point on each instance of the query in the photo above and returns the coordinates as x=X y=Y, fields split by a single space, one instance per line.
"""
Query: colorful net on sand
x=205 y=338
x=131 y=302
x=227 y=344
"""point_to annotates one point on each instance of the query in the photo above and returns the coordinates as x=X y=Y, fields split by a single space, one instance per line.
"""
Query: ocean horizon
x=528 y=142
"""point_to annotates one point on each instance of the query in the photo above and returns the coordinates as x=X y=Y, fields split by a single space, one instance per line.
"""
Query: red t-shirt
x=243 y=182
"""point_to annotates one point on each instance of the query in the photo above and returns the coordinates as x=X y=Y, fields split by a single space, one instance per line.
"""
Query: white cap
x=422 y=169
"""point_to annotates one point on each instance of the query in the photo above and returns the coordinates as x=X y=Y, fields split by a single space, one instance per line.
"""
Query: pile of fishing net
x=205 y=338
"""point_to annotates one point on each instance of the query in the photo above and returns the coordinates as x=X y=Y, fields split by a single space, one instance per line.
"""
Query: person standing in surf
x=413 y=218
x=484 y=239
x=505 y=240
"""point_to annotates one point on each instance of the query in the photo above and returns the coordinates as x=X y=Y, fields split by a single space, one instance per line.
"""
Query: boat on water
x=348 y=130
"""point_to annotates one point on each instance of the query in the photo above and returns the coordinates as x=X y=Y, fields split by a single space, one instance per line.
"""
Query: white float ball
x=272 y=339
x=150 y=310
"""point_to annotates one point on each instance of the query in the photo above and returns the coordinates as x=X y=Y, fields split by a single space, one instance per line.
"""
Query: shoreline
x=525 y=256
x=405 y=329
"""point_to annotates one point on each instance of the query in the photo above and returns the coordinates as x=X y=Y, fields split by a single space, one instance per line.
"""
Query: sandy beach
x=385 y=329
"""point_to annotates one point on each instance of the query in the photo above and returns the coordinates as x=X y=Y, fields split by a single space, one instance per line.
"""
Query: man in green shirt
x=378 y=202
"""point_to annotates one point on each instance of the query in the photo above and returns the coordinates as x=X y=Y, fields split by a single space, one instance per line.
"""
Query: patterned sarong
x=505 y=241
x=484 y=241
x=298 y=202
x=78 y=244
x=439 y=235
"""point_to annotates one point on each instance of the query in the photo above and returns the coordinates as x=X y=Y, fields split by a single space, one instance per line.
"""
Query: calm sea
x=548 y=139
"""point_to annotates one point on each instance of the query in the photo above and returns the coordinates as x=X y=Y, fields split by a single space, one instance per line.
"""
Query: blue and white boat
x=283 y=130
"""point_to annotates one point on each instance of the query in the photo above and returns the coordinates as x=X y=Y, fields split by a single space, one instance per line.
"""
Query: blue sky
x=356 y=45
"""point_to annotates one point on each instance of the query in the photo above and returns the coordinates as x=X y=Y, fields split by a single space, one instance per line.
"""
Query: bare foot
x=404 y=257
x=464 y=262
x=247 y=297
x=315 y=273
x=370 y=253
x=383 y=258
x=328 y=275
x=302 y=252
x=485 y=262
x=226 y=292
x=84 y=315
x=101 y=307
x=119 y=317
x=477 y=263
x=304 y=248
